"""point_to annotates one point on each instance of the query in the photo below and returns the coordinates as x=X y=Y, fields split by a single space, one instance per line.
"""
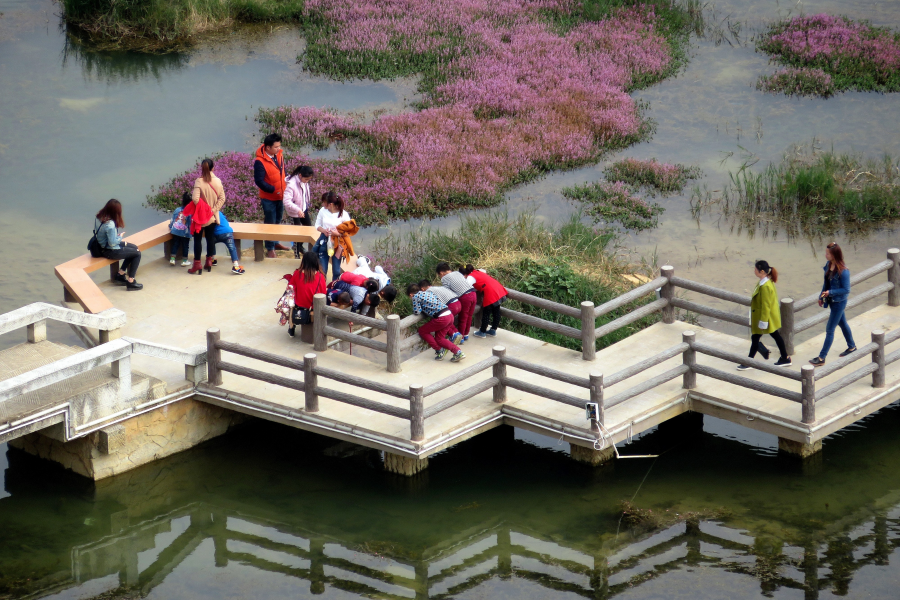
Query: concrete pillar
x=591 y=456
x=37 y=331
x=121 y=370
x=799 y=449
x=109 y=335
x=195 y=373
x=404 y=465
x=668 y=292
x=588 y=336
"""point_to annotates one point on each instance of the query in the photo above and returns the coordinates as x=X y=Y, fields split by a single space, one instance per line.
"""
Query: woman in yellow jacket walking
x=765 y=315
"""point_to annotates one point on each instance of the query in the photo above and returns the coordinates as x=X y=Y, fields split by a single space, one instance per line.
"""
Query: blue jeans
x=228 y=240
x=321 y=248
x=273 y=211
x=182 y=243
x=835 y=319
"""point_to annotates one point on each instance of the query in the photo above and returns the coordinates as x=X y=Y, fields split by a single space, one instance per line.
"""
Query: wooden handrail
x=258 y=375
x=362 y=382
x=462 y=396
x=379 y=407
x=852 y=303
x=841 y=362
x=460 y=376
x=546 y=371
x=709 y=290
x=275 y=359
x=355 y=339
x=710 y=312
x=741 y=359
x=346 y=315
x=642 y=366
x=558 y=328
x=750 y=384
x=845 y=381
x=646 y=386
x=544 y=392
x=556 y=307
x=872 y=271
x=630 y=296
x=635 y=315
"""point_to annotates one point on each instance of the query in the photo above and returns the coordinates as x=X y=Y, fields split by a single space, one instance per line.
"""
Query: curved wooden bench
x=79 y=287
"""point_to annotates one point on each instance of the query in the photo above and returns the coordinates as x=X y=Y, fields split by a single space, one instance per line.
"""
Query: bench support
x=37 y=332
x=259 y=250
x=113 y=270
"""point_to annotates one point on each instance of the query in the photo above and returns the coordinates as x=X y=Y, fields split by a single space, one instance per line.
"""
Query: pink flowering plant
x=511 y=89
x=854 y=55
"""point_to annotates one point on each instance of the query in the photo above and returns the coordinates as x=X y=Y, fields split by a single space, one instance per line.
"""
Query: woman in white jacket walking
x=296 y=200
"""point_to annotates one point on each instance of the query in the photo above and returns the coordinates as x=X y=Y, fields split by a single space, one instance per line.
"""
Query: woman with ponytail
x=765 y=315
x=208 y=198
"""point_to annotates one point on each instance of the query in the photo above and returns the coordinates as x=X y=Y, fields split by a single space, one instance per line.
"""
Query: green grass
x=614 y=203
x=811 y=192
x=162 y=24
x=568 y=264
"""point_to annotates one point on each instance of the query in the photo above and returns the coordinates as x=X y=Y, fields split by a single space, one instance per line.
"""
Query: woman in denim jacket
x=835 y=290
x=113 y=247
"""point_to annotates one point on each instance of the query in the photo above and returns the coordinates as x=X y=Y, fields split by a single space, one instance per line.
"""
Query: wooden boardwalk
x=425 y=406
x=243 y=313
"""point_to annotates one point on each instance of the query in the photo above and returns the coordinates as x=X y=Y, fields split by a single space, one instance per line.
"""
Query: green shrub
x=567 y=264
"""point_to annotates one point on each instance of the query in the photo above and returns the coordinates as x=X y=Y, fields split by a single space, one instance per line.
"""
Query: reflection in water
x=115 y=66
x=268 y=511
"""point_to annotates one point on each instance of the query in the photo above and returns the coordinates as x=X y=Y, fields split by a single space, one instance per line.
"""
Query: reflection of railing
x=500 y=550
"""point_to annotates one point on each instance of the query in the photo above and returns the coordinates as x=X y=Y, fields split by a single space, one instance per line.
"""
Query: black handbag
x=301 y=316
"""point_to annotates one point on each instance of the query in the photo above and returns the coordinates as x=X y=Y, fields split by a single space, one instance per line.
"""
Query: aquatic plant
x=652 y=175
x=801 y=81
x=568 y=264
x=614 y=202
x=811 y=193
x=163 y=23
x=856 y=55
x=506 y=98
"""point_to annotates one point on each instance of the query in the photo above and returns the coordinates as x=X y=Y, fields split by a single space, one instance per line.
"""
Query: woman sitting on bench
x=109 y=221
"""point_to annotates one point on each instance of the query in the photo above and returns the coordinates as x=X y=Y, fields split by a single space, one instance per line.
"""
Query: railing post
x=878 y=359
x=416 y=413
x=310 y=383
x=588 y=338
x=37 y=331
x=393 y=343
x=668 y=292
x=500 y=373
x=121 y=370
x=213 y=356
x=596 y=380
x=787 y=324
x=808 y=394
x=894 y=277
x=107 y=335
x=689 y=359
x=320 y=343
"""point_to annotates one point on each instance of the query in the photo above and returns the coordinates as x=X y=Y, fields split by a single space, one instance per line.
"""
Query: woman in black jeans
x=106 y=228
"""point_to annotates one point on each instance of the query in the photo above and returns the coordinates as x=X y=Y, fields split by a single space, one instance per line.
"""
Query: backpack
x=180 y=223
x=94 y=246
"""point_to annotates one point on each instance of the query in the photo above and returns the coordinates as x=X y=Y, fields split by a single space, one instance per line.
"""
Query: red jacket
x=492 y=289
x=303 y=291
x=200 y=213
x=274 y=174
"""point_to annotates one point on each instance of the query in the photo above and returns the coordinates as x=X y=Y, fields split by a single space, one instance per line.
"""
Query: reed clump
x=163 y=24
x=569 y=264
x=812 y=191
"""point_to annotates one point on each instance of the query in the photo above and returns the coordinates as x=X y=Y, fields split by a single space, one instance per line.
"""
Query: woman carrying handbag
x=834 y=295
x=307 y=281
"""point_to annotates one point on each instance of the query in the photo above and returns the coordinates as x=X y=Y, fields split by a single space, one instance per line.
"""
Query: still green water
x=267 y=512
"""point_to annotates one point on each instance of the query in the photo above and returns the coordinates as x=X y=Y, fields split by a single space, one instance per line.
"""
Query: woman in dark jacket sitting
x=106 y=227
x=835 y=291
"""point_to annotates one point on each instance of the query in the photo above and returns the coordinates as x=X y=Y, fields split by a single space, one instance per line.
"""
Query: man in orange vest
x=268 y=173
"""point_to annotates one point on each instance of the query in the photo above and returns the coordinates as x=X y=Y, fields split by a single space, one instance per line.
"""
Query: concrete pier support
x=799 y=449
x=134 y=442
x=591 y=456
x=404 y=465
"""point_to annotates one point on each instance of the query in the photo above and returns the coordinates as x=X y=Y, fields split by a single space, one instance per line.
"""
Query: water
x=505 y=515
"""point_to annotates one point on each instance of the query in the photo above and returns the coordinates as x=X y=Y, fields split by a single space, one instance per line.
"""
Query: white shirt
x=363 y=268
x=329 y=220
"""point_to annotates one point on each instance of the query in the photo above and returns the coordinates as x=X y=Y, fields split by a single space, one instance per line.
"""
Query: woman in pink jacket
x=297 y=199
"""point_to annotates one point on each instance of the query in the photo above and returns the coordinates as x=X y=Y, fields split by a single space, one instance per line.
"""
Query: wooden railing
x=499 y=380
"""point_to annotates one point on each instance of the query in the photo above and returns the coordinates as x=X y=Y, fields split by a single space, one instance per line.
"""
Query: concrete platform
x=176 y=309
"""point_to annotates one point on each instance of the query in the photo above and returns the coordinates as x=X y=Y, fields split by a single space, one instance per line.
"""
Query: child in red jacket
x=494 y=295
